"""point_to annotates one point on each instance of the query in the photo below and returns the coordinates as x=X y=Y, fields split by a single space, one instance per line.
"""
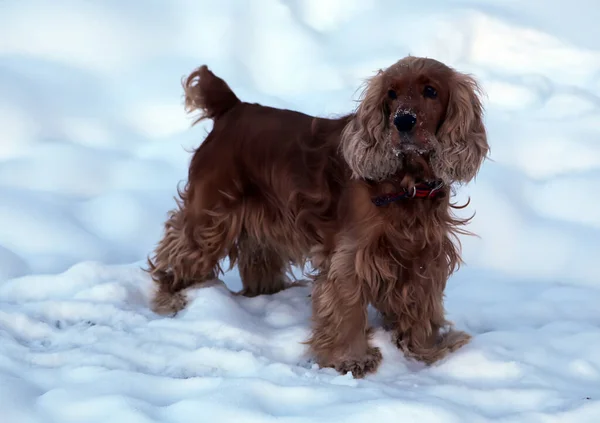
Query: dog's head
x=419 y=116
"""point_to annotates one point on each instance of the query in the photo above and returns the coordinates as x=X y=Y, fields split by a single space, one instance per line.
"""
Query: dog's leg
x=261 y=268
x=341 y=335
x=418 y=322
x=182 y=261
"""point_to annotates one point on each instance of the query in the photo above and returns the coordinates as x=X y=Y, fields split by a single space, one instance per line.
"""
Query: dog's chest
x=410 y=235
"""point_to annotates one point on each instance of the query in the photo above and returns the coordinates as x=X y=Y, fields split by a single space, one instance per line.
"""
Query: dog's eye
x=429 y=92
x=392 y=94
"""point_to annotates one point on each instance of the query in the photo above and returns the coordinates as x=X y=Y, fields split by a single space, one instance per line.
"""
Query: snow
x=94 y=141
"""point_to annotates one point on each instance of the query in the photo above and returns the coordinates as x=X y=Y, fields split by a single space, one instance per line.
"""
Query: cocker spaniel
x=363 y=198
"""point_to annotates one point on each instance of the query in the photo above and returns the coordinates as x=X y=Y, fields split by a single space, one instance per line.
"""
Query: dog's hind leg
x=186 y=256
x=262 y=269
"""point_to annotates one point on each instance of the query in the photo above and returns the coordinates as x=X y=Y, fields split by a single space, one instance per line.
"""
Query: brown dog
x=364 y=197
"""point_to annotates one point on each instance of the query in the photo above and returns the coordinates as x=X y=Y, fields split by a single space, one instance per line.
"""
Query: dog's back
x=270 y=151
x=214 y=99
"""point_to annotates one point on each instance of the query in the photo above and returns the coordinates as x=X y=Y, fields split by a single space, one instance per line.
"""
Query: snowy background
x=94 y=140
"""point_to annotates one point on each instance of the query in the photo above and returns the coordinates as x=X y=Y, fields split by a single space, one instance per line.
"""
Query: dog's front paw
x=453 y=339
x=167 y=303
x=446 y=342
x=361 y=367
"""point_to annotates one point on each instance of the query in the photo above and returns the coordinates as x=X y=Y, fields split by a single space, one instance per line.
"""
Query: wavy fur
x=269 y=188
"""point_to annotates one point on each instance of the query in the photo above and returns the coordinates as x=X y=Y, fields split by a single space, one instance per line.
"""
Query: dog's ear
x=371 y=117
x=365 y=130
x=462 y=135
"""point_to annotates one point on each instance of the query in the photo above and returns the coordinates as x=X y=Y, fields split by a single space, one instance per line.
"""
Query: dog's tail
x=208 y=93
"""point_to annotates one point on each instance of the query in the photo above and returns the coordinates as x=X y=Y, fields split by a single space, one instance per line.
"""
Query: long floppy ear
x=365 y=129
x=370 y=116
x=462 y=135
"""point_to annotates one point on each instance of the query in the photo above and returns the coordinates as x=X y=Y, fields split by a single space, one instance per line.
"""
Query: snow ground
x=93 y=142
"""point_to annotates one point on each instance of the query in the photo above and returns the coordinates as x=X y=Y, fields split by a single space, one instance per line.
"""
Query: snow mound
x=83 y=346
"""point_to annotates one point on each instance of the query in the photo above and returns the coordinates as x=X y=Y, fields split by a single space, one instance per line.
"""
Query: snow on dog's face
x=421 y=116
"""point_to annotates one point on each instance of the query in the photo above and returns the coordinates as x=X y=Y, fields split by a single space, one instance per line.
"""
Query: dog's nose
x=405 y=121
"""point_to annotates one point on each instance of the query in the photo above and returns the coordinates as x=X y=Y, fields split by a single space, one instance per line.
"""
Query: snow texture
x=94 y=141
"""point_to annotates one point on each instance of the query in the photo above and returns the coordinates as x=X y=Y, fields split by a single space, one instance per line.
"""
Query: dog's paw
x=362 y=366
x=452 y=339
x=169 y=304
x=446 y=343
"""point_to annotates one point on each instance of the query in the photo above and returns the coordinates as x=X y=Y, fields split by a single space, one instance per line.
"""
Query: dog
x=364 y=198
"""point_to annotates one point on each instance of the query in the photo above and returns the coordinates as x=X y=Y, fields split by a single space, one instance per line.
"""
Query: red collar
x=421 y=190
